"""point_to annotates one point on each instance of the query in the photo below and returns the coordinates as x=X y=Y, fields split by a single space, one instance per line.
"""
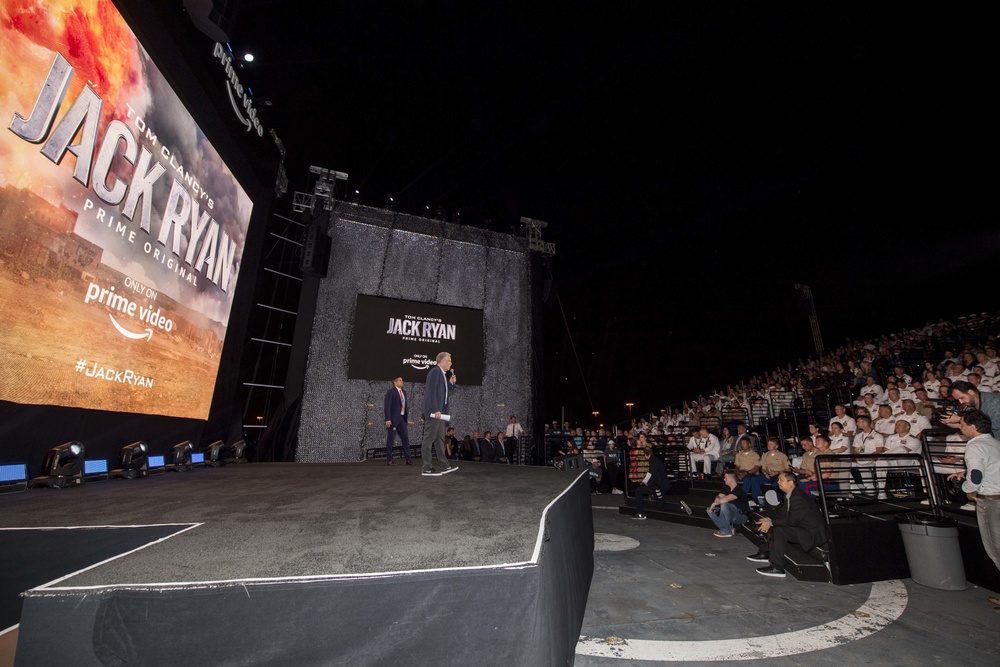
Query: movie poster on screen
x=395 y=337
x=121 y=228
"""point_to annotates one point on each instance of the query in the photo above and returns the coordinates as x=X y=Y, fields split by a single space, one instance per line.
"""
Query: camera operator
x=967 y=394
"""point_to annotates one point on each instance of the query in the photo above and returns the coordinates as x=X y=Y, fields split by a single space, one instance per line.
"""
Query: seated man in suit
x=798 y=520
x=486 y=453
x=500 y=452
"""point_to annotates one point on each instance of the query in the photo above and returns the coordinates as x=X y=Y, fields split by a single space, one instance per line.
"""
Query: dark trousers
x=613 y=477
x=780 y=537
x=661 y=503
x=398 y=426
x=435 y=431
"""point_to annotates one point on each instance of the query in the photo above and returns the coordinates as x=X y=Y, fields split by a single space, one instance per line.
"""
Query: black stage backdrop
x=390 y=255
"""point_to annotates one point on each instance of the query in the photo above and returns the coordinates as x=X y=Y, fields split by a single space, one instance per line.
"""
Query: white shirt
x=840 y=441
x=983 y=453
x=875 y=390
x=710 y=445
x=906 y=444
x=867 y=443
x=885 y=426
x=918 y=423
x=847 y=422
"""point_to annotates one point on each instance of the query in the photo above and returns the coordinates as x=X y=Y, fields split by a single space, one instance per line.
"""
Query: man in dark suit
x=486 y=451
x=799 y=520
x=501 y=453
x=436 y=413
x=397 y=410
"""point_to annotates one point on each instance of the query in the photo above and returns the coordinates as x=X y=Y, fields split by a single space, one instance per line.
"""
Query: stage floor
x=265 y=521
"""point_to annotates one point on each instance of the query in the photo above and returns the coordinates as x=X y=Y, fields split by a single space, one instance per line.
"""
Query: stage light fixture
x=63 y=466
x=180 y=457
x=248 y=57
x=213 y=454
x=133 y=460
x=234 y=453
x=13 y=477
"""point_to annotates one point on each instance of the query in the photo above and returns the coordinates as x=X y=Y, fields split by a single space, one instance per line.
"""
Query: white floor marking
x=885 y=604
x=612 y=542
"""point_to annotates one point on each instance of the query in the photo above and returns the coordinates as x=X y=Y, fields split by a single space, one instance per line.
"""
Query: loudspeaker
x=316 y=246
x=569 y=462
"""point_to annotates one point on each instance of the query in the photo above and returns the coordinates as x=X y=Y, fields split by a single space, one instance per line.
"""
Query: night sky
x=694 y=162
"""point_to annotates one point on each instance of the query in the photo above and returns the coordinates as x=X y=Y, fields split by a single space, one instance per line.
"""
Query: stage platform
x=308 y=564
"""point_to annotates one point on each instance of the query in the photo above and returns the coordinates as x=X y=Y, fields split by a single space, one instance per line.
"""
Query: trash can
x=932 y=550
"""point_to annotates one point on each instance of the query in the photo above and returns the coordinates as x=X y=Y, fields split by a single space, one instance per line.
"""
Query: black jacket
x=805 y=516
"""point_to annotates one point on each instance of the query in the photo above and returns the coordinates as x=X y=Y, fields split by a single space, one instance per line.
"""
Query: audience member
x=501 y=454
x=772 y=462
x=612 y=463
x=868 y=441
x=486 y=451
x=900 y=442
x=847 y=422
x=885 y=423
x=706 y=449
x=596 y=475
x=727 y=451
x=799 y=520
x=656 y=484
x=918 y=423
x=748 y=469
x=730 y=508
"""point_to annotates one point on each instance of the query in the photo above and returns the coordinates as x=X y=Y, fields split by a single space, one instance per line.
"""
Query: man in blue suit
x=397 y=410
x=436 y=413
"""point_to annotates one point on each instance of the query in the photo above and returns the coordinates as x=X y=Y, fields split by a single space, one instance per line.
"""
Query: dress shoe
x=390 y=463
x=409 y=462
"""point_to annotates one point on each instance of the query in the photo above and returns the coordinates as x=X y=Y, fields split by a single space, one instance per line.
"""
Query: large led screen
x=121 y=228
x=394 y=337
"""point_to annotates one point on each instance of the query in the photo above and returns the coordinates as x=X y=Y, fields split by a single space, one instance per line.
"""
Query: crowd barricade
x=946 y=452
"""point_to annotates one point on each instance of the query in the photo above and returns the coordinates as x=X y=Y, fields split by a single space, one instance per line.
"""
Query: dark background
x=694 y=162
